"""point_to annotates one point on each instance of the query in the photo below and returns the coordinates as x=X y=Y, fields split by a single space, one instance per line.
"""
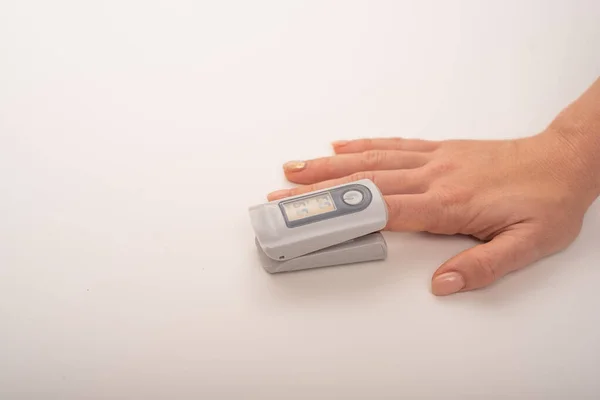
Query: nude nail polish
x=447 y=283
x=294 y=166
x=339 y=143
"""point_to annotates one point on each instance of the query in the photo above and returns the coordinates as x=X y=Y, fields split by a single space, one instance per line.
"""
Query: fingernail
x=448 y=283
x=339 y=143
x=278 y=193
x=294 y=166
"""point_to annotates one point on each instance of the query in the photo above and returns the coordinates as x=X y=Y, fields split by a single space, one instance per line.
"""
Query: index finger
x=412 y=213
x=417 y=212
x=388 y=182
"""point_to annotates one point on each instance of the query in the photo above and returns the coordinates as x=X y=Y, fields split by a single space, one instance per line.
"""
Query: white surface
x=134 y=135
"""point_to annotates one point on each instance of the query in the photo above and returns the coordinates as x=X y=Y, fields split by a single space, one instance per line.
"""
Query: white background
x=135 y=135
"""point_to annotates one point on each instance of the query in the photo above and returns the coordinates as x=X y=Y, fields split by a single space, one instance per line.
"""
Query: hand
x=524 y=199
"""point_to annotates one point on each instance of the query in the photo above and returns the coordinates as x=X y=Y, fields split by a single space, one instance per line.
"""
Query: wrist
x=575 y=134
x=580 y=133
x=580 y=155
x=575 y=138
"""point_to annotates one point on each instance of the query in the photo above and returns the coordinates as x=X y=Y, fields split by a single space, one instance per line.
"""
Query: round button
x=353 y=197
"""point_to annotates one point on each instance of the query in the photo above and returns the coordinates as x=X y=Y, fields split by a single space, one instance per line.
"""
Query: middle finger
x=326 y=168
x=388 y=182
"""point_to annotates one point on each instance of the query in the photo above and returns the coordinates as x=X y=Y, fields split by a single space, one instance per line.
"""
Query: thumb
x=483 y=264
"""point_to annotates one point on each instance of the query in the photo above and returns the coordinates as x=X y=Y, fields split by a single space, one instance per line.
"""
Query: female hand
x=524 y=199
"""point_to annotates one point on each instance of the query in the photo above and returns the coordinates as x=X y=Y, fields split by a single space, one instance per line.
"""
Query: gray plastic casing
x=371 y=247
x=280 y=242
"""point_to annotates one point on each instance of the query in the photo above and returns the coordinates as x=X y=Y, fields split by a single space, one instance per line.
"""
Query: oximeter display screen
x=309 y=206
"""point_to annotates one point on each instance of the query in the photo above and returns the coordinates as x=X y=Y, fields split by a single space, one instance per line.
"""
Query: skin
x=524 y=199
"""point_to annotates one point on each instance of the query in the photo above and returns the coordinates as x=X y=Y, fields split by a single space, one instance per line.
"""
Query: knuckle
x=303 y=189
x=484 y=263
x=441 y=167
x=448 y=196
x=484 y=267
x=324 y=166
x=373 y=158
x=312 y=188
x=359 y=176
x=398 y=143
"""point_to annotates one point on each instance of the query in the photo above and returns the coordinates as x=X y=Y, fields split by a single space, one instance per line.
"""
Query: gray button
x=353 y=197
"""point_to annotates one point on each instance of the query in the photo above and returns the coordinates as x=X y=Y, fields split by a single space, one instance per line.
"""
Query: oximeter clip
x=334 y=226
